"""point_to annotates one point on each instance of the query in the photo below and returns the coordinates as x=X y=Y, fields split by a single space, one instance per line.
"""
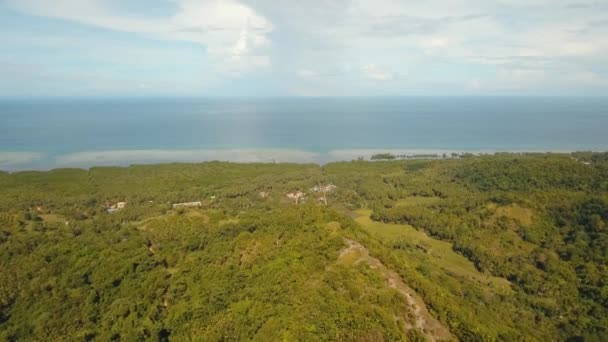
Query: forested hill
x=505 y=247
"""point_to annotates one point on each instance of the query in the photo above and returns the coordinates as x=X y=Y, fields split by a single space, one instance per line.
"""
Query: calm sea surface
x=52 y=133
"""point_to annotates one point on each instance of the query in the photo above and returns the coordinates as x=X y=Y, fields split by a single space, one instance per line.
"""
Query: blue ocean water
x=84 y=132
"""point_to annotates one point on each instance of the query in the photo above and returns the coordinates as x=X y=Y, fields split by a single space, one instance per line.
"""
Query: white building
x=116 y=207
x=296 y=196
x=323 y=188
x=187 y=205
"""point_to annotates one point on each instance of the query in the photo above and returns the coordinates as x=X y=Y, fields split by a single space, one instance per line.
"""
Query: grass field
x=432 y=255
x=53 y=218
x=521 y=215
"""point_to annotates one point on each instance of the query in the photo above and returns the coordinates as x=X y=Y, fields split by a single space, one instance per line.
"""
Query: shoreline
x=36 y=161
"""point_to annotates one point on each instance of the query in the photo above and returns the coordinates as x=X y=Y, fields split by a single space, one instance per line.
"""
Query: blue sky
x=302 y=48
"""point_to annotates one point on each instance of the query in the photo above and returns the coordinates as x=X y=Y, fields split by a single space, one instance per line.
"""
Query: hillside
x=505 y=247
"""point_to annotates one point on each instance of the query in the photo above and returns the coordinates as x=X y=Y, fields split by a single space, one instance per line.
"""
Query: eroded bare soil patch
x=355 y=254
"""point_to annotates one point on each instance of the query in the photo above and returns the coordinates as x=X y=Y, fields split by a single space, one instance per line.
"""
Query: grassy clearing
x=419 y=316
x=228 y=221
x=53 y=218
x=198 y=214
x=524 y=216
x=432 y=255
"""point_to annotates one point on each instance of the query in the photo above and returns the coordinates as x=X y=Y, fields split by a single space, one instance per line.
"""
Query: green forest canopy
x=513 y=247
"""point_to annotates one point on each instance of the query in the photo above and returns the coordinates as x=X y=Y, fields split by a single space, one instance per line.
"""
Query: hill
x=506 y=247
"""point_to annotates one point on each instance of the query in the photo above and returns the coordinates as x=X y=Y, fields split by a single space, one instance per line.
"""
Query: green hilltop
x=509 y=247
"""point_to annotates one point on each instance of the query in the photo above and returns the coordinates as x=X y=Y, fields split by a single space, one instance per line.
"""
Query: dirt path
x=427 y=324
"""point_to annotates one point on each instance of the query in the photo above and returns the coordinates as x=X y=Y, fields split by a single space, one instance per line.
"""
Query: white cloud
x=589 y=78
x=376 y=73
x=475 y=84
x=307 y=73
x=457 y=40
x=234 y=34
x=325 y=46
x=433 y=44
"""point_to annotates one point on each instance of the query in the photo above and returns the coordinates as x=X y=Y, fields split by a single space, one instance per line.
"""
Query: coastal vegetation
x=510 y=247
x=383 y=156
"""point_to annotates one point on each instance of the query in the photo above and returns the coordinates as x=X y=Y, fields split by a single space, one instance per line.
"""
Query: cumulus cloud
x=326 y=46
x=234 y=34
x=492 y=42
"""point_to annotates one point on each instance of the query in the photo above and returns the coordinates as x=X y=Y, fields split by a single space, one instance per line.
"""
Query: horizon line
x=270 y=97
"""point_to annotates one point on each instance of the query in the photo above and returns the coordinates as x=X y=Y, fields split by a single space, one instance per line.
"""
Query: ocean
x=44 y=134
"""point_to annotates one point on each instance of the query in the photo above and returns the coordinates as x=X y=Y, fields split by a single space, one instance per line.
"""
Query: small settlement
x=298 y=196
x=320 y=190
x=112 y=208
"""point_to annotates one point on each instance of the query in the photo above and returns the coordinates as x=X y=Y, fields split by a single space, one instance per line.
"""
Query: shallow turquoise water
x=52 y=133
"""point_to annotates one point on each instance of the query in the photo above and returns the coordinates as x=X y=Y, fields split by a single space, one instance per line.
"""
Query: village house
x=187 y=205
x=112 y=208
x=297 y=196
x=323 y=188
x=322 y=191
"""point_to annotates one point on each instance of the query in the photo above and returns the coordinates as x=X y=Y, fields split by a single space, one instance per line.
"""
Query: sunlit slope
x=508 y=247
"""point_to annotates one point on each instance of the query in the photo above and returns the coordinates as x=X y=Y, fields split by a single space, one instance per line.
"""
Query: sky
x=87 y=48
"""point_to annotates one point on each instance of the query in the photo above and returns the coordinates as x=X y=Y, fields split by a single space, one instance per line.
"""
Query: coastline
x=37 y=161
